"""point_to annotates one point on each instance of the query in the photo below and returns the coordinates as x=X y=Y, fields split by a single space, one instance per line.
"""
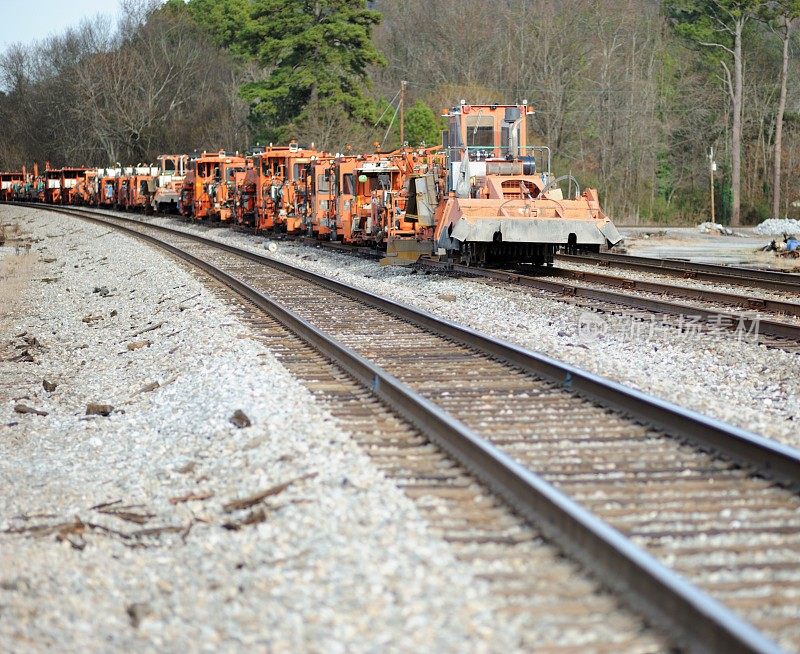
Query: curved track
x=646 y=494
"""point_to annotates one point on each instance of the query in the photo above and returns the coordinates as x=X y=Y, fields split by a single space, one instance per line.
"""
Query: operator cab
x=489 y=139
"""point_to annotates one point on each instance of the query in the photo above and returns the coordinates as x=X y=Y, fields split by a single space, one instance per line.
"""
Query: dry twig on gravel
x=252 y=500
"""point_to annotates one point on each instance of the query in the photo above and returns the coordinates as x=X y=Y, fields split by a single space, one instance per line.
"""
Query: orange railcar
x=247 y=193
x=9 y=184
x=500 y=202
x=72 y=180
x=186 y=199
x=216 y=178
x=122 y=188
x=171 y=174
x=52 y=185
x=107 y=180
x=358 y=198
x=282 y=181
x=323 y=199
x=141 y=187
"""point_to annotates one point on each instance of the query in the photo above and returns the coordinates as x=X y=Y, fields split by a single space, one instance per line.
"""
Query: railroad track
x=695 y=523
x=768 y=321
x=771 y=280
x=773 y=323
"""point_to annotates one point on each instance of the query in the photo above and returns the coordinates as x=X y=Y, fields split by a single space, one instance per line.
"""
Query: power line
x=390 y=125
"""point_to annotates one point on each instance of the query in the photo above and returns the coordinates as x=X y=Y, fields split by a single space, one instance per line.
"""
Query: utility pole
x=402 y=113
x=712 y=166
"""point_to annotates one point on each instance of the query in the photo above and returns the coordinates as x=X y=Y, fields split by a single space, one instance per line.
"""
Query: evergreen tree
x=226 y=20
x=422 y=125
x=317 y=52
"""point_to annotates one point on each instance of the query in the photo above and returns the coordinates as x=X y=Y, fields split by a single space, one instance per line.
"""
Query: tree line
x=630 y=94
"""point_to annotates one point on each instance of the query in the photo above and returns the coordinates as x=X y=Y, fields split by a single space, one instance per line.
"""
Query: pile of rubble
x=710 y=228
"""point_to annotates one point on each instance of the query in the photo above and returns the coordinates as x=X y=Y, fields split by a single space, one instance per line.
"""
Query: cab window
x=349 y=184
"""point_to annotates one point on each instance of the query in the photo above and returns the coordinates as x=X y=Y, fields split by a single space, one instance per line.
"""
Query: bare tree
x=783 y=24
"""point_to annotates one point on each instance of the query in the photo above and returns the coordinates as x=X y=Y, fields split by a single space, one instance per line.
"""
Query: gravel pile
x=778 y=226
x=127 y=520
x=725 y=375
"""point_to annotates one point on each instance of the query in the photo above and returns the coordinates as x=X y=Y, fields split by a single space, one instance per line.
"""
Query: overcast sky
x=28 y=20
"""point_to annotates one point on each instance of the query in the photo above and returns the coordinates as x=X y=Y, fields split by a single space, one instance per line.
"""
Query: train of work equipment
x=484 y=196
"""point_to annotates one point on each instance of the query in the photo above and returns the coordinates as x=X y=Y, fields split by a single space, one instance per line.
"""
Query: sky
x=28 y=20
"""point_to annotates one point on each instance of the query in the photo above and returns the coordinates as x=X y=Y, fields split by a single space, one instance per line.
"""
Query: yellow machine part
x=404 y=251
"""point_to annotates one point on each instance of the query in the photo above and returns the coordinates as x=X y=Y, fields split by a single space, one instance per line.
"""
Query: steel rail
x=748 y=323
x=697 y=621
x=773 y=280
x=770 y=458
x=688 y=292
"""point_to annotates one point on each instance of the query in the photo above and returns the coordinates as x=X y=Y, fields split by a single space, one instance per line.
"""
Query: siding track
x=771 y=280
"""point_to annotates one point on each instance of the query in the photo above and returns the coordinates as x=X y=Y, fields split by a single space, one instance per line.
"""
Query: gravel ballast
x=125 y=511
x=773 y=226
x=724 y=375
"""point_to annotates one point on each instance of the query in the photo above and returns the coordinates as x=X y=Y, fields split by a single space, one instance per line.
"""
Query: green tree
x=719 y=25
x=226 y=20
x=317 y=52
x=422 y=125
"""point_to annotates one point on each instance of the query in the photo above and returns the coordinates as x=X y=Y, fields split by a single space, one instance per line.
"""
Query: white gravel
x=334 y=567
x=778 y=226
x=725 y=375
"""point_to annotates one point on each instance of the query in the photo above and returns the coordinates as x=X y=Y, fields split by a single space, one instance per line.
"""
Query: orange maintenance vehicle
x=141 y=188
x=283 y=188
x=246 y=204
x=71 y=179
x=8 y=182
x=52 y=185
x=500 y=202
x=122 y=187
x=217 y=176
x=186 y=199
x=362 y=199
x=367 y=194
x=86 y=188
x=107 y=179
x=171 y=173
x=323 y=194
